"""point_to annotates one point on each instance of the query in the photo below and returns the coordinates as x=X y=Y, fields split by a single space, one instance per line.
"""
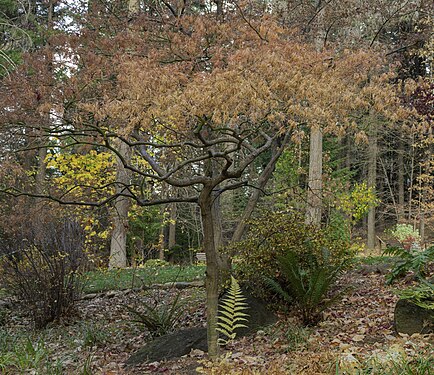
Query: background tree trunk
x=172 y=226
x=118 y=244
x=314 y=193
x=372 y=178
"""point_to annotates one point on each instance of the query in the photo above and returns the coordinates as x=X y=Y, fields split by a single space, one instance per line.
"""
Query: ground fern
x=231 y=315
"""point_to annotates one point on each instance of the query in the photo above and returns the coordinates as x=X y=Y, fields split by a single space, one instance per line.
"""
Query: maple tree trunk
x=118 y=244
x=314 y=193
x=212 y=270
x=372 y=179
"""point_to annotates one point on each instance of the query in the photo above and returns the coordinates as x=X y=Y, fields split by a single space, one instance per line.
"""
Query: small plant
x=231 y=315
x=3 y=316
x=87 y=366
x=94 y=335
x=407 y=236
x=409 y=260
x=307 y=286
x=392 y=363
x=159 y=318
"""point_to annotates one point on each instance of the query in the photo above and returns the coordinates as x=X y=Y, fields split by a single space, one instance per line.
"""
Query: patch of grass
x=94 y=335
x=297 y=337
x=19 y=353
x=100 y=281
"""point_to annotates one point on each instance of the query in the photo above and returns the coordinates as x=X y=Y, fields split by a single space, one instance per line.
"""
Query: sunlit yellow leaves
x=358 y=201
x=82 y=171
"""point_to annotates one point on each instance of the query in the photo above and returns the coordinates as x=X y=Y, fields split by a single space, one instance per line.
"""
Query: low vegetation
x=104 y=280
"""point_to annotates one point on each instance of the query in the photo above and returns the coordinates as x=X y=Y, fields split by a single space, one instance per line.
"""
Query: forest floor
x=355 y=336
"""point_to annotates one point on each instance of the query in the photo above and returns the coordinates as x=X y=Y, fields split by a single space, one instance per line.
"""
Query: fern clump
x=231 y=315
x=308 y=286
x=158 y=318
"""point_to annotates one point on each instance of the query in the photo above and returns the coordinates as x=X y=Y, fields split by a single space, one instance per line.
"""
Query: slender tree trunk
x=314 y=193
x=212 y=269
x=219 y=4
x=161 y=236
x=372 y=179
x=410 y=197
x=217 y=216
x=42 y=152
x=41 y=171
x=172 y=226
x=118 y=245
x=401 y=196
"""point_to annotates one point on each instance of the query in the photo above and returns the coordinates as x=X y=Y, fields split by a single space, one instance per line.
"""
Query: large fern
x=306 y=286
x=231 y=315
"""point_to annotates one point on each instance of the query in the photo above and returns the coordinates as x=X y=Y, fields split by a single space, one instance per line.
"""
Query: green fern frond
x=231 y=315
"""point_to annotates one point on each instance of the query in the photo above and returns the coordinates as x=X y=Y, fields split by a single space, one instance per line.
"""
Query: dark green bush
x=307 y=286
x=273 y=235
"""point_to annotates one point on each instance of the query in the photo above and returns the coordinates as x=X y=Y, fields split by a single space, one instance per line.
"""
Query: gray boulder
x=170 y=346
x=410 y=318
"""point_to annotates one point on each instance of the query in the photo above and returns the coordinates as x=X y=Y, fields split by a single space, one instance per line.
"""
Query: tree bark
x=212 y=269
x=314 y=193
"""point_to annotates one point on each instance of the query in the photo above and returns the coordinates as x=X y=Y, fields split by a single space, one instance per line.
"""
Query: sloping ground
x=356 y=333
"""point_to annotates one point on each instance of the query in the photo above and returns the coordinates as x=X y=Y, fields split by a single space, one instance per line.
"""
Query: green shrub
x=307 y=287
x=273 y=235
